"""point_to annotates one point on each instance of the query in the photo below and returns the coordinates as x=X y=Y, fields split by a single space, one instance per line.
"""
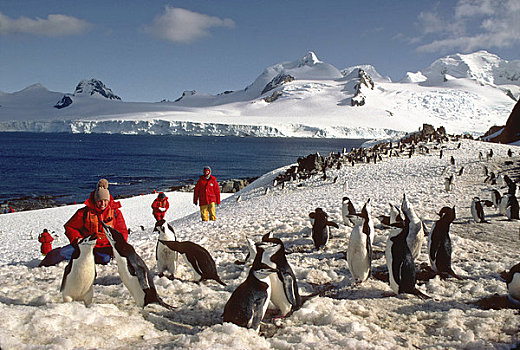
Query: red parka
x=206 y=191
x=45 y=239
x=86 y=221
x=157 y=204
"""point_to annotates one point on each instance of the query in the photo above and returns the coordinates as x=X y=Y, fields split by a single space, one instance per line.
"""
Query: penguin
x=452 y=161
x=366 y=211
x=461 y=171
x=513 y=284
x=251 y=254
x=415 y=236
x=133 y=271
x=448 y=183
x=395 y=216
x=80 y=272
x=496 y=198
x=198 y=258
x=284 y=286
x=248 y=303
x=509 y=204
x=359 y=251
x=511 y=186
x=166 y=258
x=239 y=197
x=509 y=153
x=347 y=208
x=321 y=227
x=439 y=243
x=477 y=211
x=400 y=262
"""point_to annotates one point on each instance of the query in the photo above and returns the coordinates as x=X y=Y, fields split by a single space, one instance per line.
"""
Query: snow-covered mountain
x=303 y=98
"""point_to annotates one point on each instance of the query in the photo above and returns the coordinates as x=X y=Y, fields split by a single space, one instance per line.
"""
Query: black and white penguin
x=80 y=272
x=439 y=243
x=496 y=197
x=202 y=264
x=359 y=250
x=400 y=262
x=347 y=208
x=513 y=284
x=284 y=286
x=477 y=211
x=166 y=258
x=247 y=305
x=415 y=237
x=321 y=227
x=509 y=205
x=448 y=183
x=133 y=271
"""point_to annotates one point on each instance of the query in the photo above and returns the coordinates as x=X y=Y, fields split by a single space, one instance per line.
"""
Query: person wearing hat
x=99 y=206
x=45 y=239
x=207 y=194
x=159 y=206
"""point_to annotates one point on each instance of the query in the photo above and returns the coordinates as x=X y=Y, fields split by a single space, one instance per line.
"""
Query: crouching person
x=99 y=207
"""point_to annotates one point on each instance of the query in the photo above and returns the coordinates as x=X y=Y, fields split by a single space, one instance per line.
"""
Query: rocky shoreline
x=41 y=202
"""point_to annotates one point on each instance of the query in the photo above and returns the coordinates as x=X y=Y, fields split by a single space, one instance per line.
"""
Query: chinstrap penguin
x=166 y=258
x=513 y=284
x=347 y=208
x=80 y=272
x=321 y=228
x=133 y=271
x=415 y=237
x=477 y=211
x=359 y=250
x=439 y=243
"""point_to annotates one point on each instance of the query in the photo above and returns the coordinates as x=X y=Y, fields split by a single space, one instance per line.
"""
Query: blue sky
x=154 y=50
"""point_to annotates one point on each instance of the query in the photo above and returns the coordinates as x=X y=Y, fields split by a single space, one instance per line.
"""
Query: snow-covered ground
x=346 y=317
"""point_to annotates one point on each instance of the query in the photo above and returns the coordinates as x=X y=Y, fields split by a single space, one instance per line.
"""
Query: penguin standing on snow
x=80 y=272
x=496 y=198
x=247 y=305
x=477 y=211
x=395 y=216
x=513 y=284
x=400 y=262
x=439 y=243
x=510 y=207
x=415 y=237
x=347 y=208
x=359 y=251
x=202 y=264
x=284 y=287
x=166 y=258
x=133 y=271
x=321 y=227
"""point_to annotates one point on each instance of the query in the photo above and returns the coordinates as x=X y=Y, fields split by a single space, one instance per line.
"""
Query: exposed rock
x=94 y=86
x=64 y=102
x=273 y=97
x=366 y=80
x=186 y=93
x=511 y=131
x=278 y=80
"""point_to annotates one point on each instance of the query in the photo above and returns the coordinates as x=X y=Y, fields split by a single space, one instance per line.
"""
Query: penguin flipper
x=195 y=264
x=68 y=268
x=332 y=223
x=257 y=310
x=290 y=287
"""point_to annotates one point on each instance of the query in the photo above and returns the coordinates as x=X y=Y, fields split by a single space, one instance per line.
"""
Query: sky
x=148 y=51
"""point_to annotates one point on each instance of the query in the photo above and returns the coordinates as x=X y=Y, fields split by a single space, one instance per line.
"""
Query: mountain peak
x=310 y=59
x=94 y=86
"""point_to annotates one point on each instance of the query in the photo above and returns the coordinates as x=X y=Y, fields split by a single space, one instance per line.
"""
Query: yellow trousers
x=207 y=212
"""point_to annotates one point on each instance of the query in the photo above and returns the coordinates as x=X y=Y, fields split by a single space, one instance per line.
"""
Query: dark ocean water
x=68 y=166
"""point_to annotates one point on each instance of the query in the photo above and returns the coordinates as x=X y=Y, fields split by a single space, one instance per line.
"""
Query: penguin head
x=88 y=241
x=356 y=219
x=447 y=213
x=159 y=226
x=112 y=234
x=345 y=200
x=476 y=199
x=365 y=211
x=265 y=251
x=263 y=271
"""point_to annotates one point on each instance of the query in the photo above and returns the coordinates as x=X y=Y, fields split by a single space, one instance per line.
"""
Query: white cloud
x=184 y=26
x=474 y=24
x=53 y=25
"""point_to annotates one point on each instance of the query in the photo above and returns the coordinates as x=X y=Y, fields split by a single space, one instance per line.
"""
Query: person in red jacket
x=45 y=239
x=207 y=194
x=100 y=206
x=159 y=206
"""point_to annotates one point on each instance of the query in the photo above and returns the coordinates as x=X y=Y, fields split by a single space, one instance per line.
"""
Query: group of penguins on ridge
x=271 y=278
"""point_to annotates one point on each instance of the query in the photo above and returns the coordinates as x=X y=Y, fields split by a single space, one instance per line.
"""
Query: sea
x=68 y=166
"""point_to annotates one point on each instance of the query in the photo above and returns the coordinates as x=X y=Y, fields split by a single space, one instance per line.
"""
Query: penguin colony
x=271 y=279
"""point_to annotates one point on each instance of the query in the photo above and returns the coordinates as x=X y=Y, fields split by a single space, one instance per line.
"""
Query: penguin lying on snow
x=202 y=264
x=400 y=262
x=247 y=305
x=439 y=243
x=80 y=272
x=359 y=251
x=513 y=285
x=321 y=227
x=284 y=287
x=133 y=271
x=166 y=258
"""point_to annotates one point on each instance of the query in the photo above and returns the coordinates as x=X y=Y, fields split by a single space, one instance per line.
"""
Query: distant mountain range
x=301 y=98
